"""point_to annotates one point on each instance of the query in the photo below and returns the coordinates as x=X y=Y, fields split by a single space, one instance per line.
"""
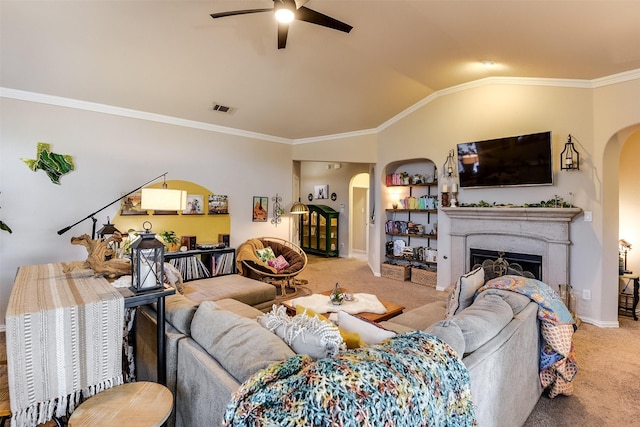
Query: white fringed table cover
x=64 y=341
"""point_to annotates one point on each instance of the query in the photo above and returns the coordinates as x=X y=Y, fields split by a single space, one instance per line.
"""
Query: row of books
x=222 y=264
x=403 y=227
x=191 y=268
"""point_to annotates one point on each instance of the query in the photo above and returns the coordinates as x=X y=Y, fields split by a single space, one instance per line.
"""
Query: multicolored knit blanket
x=558 y=366
x=413 y=379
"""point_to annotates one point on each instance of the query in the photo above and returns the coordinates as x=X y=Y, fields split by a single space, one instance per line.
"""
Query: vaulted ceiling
x=171 y=58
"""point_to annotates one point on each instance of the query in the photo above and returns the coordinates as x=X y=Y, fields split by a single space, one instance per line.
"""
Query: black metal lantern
x=569 y=158
x=110 y=234
x=147 y=262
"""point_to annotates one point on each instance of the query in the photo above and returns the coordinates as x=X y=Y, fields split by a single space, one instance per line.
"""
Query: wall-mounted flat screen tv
x=511 y=161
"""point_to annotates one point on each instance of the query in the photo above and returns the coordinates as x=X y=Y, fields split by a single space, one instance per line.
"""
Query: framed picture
x=195 y=205
x=322 y=191
x=131 y=204
x=218 y=204
x=260 y=208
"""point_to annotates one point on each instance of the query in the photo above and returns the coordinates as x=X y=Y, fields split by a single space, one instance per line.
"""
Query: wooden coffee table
x=392 y=309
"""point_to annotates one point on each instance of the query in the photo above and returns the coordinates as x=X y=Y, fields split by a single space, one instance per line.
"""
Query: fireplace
x=528 y=262
x=542 y=233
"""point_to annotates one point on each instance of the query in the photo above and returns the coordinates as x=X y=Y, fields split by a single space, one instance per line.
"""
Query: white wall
x=114 y=155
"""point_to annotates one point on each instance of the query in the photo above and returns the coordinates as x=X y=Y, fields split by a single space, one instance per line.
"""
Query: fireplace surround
x=541 y=232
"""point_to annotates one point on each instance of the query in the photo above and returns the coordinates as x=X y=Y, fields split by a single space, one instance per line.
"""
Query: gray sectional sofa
x=214 y=346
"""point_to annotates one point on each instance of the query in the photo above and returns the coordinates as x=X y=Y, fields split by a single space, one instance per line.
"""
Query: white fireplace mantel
x=535 y=231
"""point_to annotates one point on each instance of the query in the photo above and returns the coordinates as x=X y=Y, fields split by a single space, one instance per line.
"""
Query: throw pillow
x=172 y=277
x=265 y=254
x=278 y=263
x=304 y=334
x=370 y=332
x=462 y=295
x=240 y=345
x=351 y=339
x=482 y=321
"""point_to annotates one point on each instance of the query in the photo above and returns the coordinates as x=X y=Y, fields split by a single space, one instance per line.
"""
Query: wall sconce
x=449 y=167
x=277 y=210
x=569 y=158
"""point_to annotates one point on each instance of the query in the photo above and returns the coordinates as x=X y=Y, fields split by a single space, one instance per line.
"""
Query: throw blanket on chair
x=247 y=252
x=558 y=366
x=413 y=379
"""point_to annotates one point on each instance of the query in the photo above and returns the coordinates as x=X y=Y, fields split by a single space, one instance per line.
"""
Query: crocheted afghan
x=413 y=379
x=558 y=365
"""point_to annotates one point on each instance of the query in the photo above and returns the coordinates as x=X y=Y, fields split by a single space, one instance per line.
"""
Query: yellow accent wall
x=205 y=227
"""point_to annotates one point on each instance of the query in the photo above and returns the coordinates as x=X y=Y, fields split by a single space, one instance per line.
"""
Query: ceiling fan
x=288 y=10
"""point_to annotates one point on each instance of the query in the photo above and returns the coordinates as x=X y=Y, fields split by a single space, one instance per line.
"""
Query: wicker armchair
x=249 y=265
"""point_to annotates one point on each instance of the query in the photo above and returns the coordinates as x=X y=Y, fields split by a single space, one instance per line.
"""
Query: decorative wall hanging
x=310 y=197
x=277 y=210
x=322 y=191
x=55 y=165
x=218 y=204
x=195 y=203
x=131 y=204
x=260 y=206
x=334 y=196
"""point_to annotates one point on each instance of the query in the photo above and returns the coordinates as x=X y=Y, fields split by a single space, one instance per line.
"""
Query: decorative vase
x=337 y=296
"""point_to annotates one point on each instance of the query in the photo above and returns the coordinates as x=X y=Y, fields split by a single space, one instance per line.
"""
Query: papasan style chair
x=262 y=259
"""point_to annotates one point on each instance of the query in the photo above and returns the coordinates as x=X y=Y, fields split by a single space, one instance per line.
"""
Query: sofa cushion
x=239 y=308
x=462 y=294
x=482 y=320
x=449 y=332
x=179 y=311
x=239 y=344
x=517 y=301
x=234 y=286
x=421 y=317
x=370 y=332
x=305 y=334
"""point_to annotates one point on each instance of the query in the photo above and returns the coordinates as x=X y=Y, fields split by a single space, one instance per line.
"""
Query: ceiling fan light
x=284 y=15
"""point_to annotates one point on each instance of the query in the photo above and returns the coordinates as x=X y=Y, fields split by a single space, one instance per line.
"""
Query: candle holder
x=445 y=199
x=454 y=199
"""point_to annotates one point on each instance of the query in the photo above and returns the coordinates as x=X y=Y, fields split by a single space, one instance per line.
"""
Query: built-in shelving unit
x=203 y=263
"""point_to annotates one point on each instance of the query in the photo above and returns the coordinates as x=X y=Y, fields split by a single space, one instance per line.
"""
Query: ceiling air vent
x=223 y=108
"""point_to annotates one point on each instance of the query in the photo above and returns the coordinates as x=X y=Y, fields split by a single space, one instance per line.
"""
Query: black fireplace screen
x=530 y=263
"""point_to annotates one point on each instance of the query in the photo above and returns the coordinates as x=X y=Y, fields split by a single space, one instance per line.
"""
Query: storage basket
x=422 y=276
x=395 y=271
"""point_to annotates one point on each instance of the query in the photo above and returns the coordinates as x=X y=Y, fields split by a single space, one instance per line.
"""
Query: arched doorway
x=615 y=170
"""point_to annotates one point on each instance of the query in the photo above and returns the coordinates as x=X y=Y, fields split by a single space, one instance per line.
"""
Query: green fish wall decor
x=55 y=165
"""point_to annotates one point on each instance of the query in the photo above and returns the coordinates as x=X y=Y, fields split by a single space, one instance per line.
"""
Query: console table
x=64 y=338
x=623 y=307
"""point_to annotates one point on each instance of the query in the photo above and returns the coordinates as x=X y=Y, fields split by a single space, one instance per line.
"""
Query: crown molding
x=142 y=115
x=134 y=114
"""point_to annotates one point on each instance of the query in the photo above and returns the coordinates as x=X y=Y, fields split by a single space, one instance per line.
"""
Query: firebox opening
x=531 y=263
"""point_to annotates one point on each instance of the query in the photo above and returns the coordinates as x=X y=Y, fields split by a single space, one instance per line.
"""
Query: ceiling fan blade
x=239 y=12
x=300 y=3
x=283 y=30
x=308 y=15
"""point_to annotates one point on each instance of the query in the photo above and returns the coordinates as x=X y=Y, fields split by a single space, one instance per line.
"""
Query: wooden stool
x=140 y=404
x=5 y=406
